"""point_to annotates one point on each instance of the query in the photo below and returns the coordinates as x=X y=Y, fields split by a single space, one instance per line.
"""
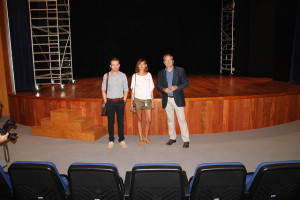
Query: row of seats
x=101 y=181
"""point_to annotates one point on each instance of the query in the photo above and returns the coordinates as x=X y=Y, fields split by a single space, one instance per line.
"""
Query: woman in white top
x=142 y=95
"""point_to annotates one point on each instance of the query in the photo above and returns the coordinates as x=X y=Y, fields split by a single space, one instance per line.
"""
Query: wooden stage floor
x=214 y=104
x=200 y=86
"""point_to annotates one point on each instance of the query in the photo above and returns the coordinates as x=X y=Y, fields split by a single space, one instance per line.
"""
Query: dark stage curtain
x=19 y=23
x=137 y=29
x=284 y=35
x=295 y=66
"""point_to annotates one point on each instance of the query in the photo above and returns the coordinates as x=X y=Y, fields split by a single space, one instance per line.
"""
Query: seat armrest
x=185 y=186
x=127 y=184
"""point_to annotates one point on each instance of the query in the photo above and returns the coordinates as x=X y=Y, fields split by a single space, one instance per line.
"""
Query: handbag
x=103 y=107
x=133 y=108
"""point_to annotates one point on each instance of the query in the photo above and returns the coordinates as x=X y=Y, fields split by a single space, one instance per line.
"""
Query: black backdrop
x=133 y=29
x=265 y=32
x=295 y=65
x=267 y=42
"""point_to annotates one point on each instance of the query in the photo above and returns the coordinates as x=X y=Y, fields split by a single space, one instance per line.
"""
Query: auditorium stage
x=213 y=104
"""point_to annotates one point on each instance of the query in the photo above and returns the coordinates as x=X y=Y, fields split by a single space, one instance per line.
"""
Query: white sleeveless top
x=143 y=86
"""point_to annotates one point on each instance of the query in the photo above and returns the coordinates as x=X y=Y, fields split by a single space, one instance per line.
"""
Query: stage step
x=69 y=124
x=65 y=114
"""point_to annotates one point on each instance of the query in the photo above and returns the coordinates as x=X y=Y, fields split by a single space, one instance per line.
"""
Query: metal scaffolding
x=227 y=36
x=51 y=42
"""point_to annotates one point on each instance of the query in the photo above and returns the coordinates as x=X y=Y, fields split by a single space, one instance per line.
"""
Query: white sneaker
x=123 y=145
x=110 y=145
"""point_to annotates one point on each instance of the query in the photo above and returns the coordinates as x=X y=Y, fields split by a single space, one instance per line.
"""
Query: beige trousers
x=171 y=106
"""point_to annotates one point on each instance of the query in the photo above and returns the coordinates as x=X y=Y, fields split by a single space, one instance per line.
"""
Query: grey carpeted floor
x=251 y=147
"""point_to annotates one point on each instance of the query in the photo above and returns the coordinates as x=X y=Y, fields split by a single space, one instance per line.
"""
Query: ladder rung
x=59 y=11
x=42 y=0
x=41 y=61
x=57 y=68
x=51 y=35
x=49 y=18
x=44 y=26
x=43 y=9
x=45 y=44
x=45 y=52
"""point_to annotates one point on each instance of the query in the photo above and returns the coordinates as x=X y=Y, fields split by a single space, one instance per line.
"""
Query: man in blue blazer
x=170 y=82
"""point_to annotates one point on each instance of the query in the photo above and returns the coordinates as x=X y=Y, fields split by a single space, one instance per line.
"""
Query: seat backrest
x=275 y=180
x=95 y=181
x=5 y=186
x=157 y=181
x=37 y=180
x=218 y=181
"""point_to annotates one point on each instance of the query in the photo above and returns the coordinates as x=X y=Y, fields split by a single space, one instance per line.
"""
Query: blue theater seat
x=156 y=181
x=95 y=181
x=275 y=180
x=5 y=186
x=218 y=181
x=37 y=180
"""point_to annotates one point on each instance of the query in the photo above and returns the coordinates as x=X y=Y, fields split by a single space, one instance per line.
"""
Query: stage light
x=37 y=88
x=62 y=94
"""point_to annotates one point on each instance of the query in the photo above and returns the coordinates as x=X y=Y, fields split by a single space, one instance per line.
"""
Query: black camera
x=3 y=131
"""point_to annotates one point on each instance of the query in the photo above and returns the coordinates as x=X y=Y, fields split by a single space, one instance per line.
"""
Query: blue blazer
x=179 y=79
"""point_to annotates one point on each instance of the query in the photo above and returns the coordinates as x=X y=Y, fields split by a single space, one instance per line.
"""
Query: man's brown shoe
x=170 y=142
x=186 y=145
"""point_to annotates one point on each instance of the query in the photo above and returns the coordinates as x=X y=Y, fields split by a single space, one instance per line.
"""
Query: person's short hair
x=141 y=60
x=115 y=59
x=167 y=55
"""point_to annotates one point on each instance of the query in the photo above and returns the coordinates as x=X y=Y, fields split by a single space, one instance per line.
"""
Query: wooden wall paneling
x=284 y=104
x=253 y=120
x=293 y=106
x=273 y=110
x=298 y=107
x=220 y=115
x=277 y=109
x=236 y=115
x=191 y=117
x=13 y=108
x=6 y=84
x=203 y=116
x=160 y=119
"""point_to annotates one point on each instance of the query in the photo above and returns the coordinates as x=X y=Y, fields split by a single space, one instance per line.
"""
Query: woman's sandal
x=141 y=142
x=146 y=140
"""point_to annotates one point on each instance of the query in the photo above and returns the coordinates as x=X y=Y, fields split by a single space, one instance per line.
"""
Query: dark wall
x=241 y=35
x=264 y=38
x=130 y=30
x=284 y=37
x=295 y=66
x=261 y=38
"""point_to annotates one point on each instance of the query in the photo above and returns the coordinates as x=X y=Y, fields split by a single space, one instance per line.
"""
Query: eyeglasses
x=169 y=60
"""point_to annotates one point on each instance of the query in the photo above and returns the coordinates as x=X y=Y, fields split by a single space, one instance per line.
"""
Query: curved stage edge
x=203 y=114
